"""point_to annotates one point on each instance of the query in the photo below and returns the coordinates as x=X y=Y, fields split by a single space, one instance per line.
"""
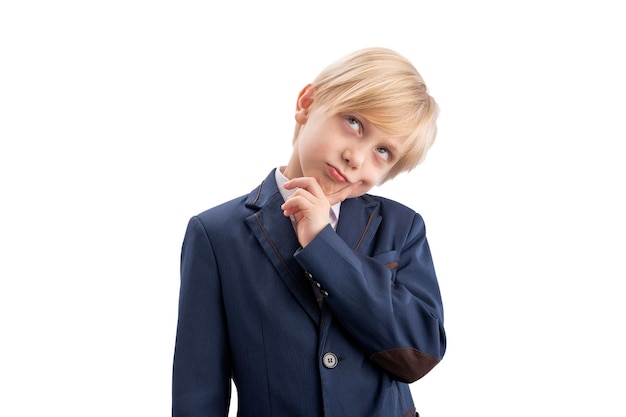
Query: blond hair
x=386 y=89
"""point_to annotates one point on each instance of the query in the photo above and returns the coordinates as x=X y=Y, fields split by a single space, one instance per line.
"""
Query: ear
x=305 y=99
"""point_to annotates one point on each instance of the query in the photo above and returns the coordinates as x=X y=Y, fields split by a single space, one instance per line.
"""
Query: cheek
x=374 y=178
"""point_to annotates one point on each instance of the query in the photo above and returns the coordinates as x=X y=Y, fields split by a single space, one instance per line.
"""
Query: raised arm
x=390 y=303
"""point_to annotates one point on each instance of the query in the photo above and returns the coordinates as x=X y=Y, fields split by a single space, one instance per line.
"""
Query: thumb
x=339 y=196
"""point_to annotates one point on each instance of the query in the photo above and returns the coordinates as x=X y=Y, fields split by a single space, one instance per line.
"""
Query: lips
x=336 y=174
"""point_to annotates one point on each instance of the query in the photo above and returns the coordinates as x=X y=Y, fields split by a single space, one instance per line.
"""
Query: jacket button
x=329 y=360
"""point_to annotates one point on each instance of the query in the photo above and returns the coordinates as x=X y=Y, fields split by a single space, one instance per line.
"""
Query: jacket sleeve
x=201 y=370
x=389 y=303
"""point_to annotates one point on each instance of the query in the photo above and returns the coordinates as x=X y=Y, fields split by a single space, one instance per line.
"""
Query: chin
x=357 y=194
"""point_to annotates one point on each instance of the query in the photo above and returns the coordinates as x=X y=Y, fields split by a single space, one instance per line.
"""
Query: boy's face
x=342 y=149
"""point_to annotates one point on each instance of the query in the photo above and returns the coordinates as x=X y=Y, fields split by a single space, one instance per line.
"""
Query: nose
x=353 y=157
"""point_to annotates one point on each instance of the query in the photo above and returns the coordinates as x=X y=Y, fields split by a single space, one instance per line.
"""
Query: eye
x=383 y=153
x=354 y=123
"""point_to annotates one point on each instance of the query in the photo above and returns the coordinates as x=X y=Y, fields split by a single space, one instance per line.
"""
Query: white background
x=121 y=119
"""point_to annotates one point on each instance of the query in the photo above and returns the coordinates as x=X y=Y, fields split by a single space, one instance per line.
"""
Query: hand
x=310 y=207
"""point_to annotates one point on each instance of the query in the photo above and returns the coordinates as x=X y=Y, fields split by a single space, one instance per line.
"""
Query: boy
x=316 y=298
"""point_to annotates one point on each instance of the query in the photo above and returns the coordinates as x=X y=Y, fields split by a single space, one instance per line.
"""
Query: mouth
x=337 y=175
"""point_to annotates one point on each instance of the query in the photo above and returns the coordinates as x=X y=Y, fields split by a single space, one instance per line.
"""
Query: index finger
x=308 y=183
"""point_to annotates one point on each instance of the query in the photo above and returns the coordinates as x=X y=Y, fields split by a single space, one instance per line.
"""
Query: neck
x=293 y=169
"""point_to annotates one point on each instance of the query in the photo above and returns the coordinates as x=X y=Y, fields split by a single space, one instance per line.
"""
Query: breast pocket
x=389 y=260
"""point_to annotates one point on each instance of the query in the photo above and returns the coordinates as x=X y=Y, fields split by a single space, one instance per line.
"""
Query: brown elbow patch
x=406 y=364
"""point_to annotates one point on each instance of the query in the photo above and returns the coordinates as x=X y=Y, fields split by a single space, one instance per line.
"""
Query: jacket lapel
x=358 y=221
x=276 y=236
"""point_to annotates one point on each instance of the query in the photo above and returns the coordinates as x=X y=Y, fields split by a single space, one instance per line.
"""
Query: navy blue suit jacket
x=248 y=311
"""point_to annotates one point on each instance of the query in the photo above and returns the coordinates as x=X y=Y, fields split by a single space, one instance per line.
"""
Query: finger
x=339 y=196
x=295 y=204
x=308 y=183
